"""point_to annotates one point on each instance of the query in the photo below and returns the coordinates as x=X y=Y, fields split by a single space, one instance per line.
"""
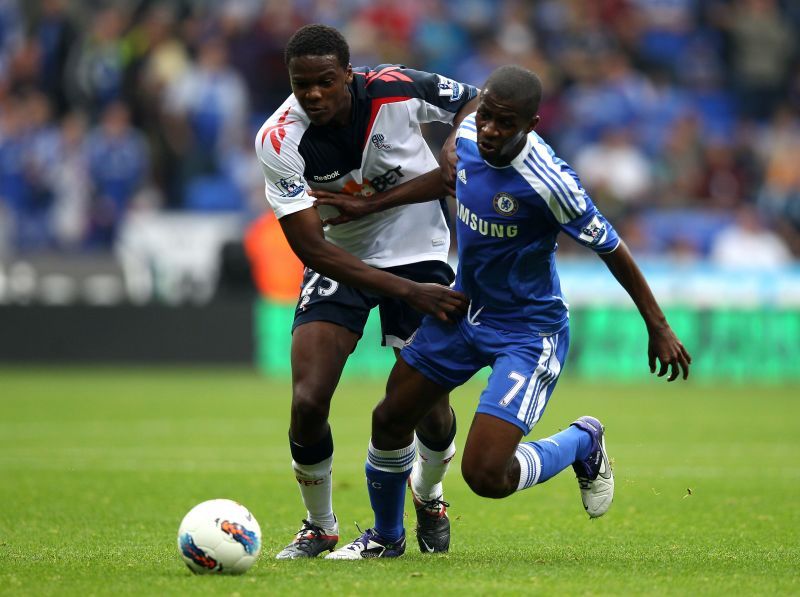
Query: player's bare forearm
x=622 y=265
x=423 y=188
x=663 y=345
x=303 y=231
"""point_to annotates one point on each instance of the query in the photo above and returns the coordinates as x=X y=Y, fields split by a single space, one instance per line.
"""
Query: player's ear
x=533 y=122
x=348 y=74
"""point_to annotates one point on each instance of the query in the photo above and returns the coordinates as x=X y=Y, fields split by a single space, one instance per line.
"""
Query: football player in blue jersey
x=514 y=195
x=356 y=131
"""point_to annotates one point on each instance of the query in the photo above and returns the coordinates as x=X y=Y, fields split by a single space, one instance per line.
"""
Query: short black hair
x=518 y=85
x=318 y=40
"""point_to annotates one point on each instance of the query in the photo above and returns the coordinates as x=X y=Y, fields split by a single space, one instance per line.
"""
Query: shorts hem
x=504 y=416
x=393 y=341
x=297 y=323
x=420 y=365
x=409 y=260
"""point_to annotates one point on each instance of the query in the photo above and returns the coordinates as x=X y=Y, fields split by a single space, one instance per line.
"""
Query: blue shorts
x=525 y=364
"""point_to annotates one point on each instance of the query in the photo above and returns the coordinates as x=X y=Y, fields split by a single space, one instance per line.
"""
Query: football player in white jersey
x=514 y=196
x=357 y=131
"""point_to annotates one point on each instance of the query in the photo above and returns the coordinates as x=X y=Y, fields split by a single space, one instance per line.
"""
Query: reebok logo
x=326 y=177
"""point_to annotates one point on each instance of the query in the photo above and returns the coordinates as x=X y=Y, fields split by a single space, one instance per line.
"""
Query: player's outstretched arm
x=663 y=346
x=303 y=230
x=352 y=207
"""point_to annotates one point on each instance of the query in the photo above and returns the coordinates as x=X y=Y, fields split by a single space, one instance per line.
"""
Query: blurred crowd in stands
x=681 y=116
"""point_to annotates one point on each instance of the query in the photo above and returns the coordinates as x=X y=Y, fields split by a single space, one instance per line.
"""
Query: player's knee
x=485 y=482
x=310 y=407
x=438 y=423
x=386 y=423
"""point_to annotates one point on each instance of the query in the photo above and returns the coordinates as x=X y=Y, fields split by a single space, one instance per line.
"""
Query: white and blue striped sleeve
x=559 y=186
x=467 y=128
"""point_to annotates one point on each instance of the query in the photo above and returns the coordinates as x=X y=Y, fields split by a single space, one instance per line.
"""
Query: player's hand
x=351 y=207
x=447 y=164
x=664 y=347
x=444 y=303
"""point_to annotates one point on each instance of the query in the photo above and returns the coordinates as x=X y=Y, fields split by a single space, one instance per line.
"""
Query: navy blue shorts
x=323 y=299
x=525 y=364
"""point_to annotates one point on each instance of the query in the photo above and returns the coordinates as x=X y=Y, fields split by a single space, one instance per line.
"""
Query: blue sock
x=545 y=458
x=387 y=475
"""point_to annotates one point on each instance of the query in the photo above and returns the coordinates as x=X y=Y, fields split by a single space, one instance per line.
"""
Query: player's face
x=502 y=127
x=320 y=84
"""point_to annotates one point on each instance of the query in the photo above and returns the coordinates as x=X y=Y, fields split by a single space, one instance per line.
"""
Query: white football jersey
x=383 y=146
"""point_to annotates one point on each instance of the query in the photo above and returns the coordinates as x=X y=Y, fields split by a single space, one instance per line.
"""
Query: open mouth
x=486 y=147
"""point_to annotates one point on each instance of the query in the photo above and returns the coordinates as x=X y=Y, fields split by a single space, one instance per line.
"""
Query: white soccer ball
x=219 y=536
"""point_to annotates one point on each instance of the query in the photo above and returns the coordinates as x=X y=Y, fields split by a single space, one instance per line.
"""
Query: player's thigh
x=329 y=321
x=437 y=423
x=319 y=352
x=324 y=299
x=443 y=353
x=523 y=377
x=398 y=319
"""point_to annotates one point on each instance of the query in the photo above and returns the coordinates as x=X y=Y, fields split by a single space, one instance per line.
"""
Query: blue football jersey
x=507 y=222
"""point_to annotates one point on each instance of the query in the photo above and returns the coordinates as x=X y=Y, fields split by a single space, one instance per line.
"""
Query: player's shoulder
x=469 y=123
x=282 y=131
x=387 y=80
x=543 y=159
x=468 y=129
x=551 y=178
x=392 y=80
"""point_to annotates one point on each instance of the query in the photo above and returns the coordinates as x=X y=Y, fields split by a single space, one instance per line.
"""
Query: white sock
x=429 y=470
x=530 y=467
x=316 y=488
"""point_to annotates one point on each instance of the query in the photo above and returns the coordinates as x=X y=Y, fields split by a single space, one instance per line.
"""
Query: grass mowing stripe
x=99 y=466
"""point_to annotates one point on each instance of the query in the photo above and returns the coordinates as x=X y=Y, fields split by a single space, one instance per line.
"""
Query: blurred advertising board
x=739 y=325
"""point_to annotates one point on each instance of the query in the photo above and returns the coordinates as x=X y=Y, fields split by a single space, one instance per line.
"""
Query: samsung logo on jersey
x=324 y=177
x=483 y=227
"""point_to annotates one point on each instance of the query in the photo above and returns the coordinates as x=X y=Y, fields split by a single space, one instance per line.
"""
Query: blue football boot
x=595 y=478
x=369 y=545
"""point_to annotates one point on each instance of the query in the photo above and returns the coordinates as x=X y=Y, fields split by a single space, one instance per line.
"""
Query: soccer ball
x=219 y=536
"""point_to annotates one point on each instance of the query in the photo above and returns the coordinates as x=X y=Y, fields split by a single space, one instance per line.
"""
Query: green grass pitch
x=97 y=468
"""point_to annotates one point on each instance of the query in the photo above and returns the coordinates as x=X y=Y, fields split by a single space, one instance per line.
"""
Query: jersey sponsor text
x=483 y=227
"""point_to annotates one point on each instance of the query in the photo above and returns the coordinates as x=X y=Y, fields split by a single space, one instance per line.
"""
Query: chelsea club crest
x=505 y=204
